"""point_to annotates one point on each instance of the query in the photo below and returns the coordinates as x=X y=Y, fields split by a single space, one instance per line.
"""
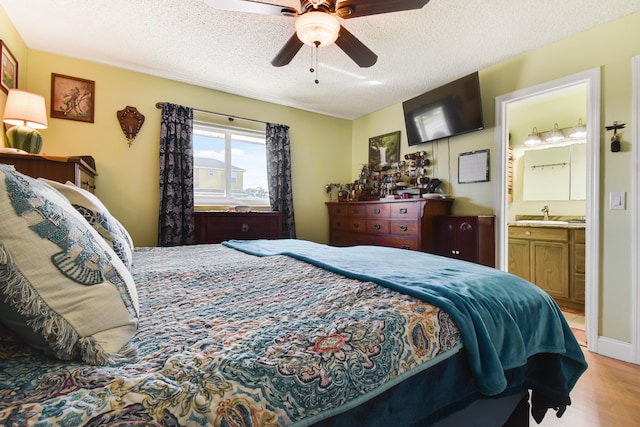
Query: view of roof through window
x=230 y=166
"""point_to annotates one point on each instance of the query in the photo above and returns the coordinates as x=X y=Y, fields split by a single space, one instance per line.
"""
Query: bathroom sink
x=540 y=222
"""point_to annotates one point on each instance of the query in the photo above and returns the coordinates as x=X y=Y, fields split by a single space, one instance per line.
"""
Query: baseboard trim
x=615 y=349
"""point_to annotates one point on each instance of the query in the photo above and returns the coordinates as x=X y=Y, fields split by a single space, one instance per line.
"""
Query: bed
x=261 y=333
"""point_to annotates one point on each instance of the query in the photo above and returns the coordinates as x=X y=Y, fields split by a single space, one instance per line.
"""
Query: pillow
x=62 y=288
x=96 y=213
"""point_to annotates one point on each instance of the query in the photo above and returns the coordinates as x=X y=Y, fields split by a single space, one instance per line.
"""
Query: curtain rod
x=231 y=118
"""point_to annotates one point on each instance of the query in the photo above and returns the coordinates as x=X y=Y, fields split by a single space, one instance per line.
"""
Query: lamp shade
x=317 y=27
x=555 y=135
x=533 y=139
x=25 y=109
x=579 y=131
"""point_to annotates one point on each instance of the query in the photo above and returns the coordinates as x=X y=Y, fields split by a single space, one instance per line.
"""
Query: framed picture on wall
x=72 y=98
x=473 y=167
x=384 y=149
x=9 y=79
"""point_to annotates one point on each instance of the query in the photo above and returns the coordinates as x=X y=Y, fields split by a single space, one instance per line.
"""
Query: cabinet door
x=519 y=258
x=550 y=267
x=466 y=240
x=446 y=236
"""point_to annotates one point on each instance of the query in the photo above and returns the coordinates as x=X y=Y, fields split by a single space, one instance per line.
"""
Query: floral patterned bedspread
x=229 y=339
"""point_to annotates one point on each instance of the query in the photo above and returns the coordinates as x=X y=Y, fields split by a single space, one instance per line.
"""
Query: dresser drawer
x=378 y=226
x=338 y=210
x=378 y=210
x=345 y=238
x=395 y=242
x=349 y=223
x=405 y=210
x=216 y=227
x=87 y=180
x=407 y=228
x=539 y=233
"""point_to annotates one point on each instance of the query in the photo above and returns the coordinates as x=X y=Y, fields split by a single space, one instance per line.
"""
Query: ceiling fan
x=317 y=23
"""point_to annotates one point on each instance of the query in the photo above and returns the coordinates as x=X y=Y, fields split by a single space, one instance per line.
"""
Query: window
x=229 y=166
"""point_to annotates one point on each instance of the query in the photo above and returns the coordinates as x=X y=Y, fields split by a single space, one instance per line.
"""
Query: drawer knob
x=355 y=210
x=403 y=210
x=356 y=225
x=377 y=226
x=405 y=247
x=376 y=211
x=244 y=228
x=403 y=228
x=527 y=233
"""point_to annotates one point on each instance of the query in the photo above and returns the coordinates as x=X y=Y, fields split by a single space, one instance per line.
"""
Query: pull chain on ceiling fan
x=317 y=24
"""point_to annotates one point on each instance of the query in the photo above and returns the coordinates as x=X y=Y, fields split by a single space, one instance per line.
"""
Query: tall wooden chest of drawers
x=404 y=223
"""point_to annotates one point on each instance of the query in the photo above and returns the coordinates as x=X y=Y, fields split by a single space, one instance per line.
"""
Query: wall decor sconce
x=131 y=121
x=615 y=138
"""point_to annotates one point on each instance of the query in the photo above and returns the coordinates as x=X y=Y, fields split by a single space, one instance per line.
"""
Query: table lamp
x=27 y=112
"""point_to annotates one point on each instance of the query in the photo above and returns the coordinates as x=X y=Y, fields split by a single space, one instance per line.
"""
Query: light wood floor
x=606 y=395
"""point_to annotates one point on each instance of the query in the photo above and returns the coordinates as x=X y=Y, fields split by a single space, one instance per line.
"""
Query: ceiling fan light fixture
x=317 y=28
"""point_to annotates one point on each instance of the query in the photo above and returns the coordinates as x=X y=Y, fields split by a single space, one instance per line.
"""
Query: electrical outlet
x=618 y=200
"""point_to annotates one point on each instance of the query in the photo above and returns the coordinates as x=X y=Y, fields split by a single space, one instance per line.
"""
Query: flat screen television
x=452 y=109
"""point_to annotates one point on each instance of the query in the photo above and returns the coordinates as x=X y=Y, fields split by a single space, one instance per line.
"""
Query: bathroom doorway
x=589 y=81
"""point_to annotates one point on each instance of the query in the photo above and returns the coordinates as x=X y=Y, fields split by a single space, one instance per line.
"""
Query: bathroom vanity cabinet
x=552 y=257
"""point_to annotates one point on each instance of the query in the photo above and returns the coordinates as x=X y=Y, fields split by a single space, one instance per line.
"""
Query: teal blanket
x=503 y=319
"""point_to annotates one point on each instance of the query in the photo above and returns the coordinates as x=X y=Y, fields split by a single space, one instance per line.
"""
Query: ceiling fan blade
x=288 y=51
x=354 y=8
x=251 y=6
x=355 y=49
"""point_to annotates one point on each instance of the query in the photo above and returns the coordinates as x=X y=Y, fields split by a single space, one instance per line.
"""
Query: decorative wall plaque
x=131 y=121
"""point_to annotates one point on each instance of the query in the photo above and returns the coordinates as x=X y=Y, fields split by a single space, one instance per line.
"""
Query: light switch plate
x=618 y=200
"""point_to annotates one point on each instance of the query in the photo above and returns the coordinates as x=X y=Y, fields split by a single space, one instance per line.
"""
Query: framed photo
x=72 y=98
x=384 y=149
x=9 y=79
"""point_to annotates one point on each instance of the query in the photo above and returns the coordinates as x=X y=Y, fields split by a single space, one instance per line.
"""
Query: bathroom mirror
x=555 y=173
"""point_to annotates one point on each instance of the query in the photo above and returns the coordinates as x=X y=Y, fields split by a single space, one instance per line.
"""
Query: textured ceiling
x=188 y=41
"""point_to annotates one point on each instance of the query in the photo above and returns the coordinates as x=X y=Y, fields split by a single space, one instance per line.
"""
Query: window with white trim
x=229 y=166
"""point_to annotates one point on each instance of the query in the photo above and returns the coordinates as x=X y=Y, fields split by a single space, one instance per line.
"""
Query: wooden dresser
x=218 y=226
x=404 y=223
x=80 y=170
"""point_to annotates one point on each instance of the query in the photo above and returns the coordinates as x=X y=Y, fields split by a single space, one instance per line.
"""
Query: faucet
x=545 y=210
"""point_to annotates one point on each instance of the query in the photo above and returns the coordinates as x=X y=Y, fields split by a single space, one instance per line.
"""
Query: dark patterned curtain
x=279 y=171
x=177 y=219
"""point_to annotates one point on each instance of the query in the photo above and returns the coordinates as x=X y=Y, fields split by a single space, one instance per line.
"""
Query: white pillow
x=97 y=214
x=62 y=288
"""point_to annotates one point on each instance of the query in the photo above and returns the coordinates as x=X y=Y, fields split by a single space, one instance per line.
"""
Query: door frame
x=635 y=205
x=590 y=79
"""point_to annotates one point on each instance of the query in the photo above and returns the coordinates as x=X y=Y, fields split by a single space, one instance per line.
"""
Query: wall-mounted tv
x=449 y=110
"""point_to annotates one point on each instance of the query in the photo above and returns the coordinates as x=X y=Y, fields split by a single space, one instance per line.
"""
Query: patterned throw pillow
x=96 y=213
x=62 y=288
